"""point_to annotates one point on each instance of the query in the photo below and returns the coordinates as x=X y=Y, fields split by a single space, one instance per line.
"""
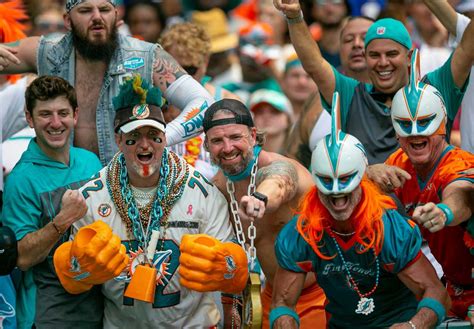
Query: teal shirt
x=441 y=78
x=32 y=198
x=394 y=302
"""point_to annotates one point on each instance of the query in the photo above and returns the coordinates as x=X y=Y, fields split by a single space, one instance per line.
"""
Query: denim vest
x=56 y=57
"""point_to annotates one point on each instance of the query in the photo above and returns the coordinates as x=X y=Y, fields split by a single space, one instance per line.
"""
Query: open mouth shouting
x=339 y=202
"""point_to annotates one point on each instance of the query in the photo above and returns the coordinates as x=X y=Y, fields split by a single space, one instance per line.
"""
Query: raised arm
x=463 y=57
x=421 y=279
x=182 y=91
x=19 y=56
x=444 y=12
x=307 y=49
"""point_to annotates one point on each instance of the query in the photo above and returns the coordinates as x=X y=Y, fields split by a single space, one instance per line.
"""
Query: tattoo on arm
x=166 y=69
x=284 y=173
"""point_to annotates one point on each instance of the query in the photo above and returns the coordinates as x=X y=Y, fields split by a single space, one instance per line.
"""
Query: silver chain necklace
x=251 y=251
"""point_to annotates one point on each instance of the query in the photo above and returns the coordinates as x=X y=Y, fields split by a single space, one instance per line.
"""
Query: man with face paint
x=366 y=256
x=152 y=199
x=262 y=189
x=439 y=194
x=95 y=58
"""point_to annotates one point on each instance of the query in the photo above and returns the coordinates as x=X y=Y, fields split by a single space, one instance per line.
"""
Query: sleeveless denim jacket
x=56 y=57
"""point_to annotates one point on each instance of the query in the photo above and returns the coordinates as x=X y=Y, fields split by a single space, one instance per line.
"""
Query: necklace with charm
x=365 y=305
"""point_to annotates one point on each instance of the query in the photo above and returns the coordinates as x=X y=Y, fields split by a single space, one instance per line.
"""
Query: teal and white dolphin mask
x=339 y=160
x=418 y=109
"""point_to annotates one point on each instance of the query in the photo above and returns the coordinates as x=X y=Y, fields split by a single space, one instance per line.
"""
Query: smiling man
x=262 y=189
x=41 y=205
x=439 y=194
x=95 y=59
x=365 y=108
x=147 y=191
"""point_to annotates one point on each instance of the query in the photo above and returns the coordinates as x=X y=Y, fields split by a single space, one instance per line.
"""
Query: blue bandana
x=246 y=172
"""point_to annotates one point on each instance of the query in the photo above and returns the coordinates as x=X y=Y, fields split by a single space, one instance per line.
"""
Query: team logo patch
x=231 y=267
x=104 y=210
x=140 y=111
x=134 y=63
x=381 y=30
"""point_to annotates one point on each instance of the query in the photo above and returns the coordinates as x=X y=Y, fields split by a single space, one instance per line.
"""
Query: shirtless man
x=94 y=58
x=267 y=187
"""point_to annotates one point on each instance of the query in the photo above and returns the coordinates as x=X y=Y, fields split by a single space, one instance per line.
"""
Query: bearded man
x=94 y=58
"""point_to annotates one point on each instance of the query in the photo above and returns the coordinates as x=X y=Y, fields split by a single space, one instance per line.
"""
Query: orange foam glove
x=95 y=256
x=206 y=264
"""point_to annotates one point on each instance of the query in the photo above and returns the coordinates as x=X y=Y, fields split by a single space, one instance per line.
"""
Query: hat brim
x=227 y=42
x=132 y=125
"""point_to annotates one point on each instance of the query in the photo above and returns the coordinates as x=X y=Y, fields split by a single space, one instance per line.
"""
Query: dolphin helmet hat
x=418 y=109
x=339 y=160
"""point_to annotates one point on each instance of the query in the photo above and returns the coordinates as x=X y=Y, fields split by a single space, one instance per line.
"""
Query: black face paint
x=130 y=142
x=158 y=140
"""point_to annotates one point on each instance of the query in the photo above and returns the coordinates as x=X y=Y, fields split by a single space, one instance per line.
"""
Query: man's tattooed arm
x=166 y=69
x=279 y=181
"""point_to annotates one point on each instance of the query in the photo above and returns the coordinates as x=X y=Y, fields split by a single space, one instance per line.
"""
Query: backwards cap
x=241 y=114
x=137 y=105
x=73 y=3
x=418 y=109
x=388 y=28
x=339 y=159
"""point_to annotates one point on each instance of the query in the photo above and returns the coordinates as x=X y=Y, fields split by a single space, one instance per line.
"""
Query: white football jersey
x=201 y=209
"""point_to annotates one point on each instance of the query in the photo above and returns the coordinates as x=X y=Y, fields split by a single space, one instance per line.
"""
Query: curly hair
x=46 y=88
x=189 y=40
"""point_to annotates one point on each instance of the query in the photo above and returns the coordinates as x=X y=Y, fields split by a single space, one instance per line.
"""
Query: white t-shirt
x=12 y=115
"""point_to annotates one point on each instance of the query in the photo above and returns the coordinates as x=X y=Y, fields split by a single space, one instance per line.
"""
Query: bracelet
x=281 y=311
x=412 y=324
x=56 y=228
x=435 y=306
x=294 y=20
x=447 y=212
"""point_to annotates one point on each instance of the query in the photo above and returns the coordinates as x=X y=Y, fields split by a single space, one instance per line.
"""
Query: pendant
x=365 y=306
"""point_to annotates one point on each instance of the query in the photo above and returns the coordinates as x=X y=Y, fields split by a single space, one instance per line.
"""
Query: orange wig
x=366 y=218
x=11 y=13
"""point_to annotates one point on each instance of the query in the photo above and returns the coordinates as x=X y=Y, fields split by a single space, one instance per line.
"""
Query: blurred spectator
x=353 y=63
x=273 y=114
x=49 y=21
x=330 y=14
x=257 y=56
x=369 y=8
x=297 y=84
x=145 y=20
x=223 y=66
x=203 y=5
x=190 y=45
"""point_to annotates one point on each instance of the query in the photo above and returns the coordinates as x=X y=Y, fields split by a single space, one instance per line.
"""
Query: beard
x=95 y=51
x=236 y=168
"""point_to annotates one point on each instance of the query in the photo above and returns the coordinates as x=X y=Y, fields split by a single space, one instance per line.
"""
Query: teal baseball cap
x=388 y=28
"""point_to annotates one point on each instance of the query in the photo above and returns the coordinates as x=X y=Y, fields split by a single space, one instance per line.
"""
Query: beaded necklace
x=365 y=305
x=173 y=174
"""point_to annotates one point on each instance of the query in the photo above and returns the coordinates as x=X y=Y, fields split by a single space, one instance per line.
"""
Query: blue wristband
x=447 y=211
x=435 y=306
x=280 y=311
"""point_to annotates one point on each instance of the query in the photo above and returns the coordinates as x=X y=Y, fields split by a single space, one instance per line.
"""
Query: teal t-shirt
x=393 y=301
x=441 y=79
x=32 y=198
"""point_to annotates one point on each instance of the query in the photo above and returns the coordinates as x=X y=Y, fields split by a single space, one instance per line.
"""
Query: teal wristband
x=435 y=306
x=280 y=311
x=447 y=211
